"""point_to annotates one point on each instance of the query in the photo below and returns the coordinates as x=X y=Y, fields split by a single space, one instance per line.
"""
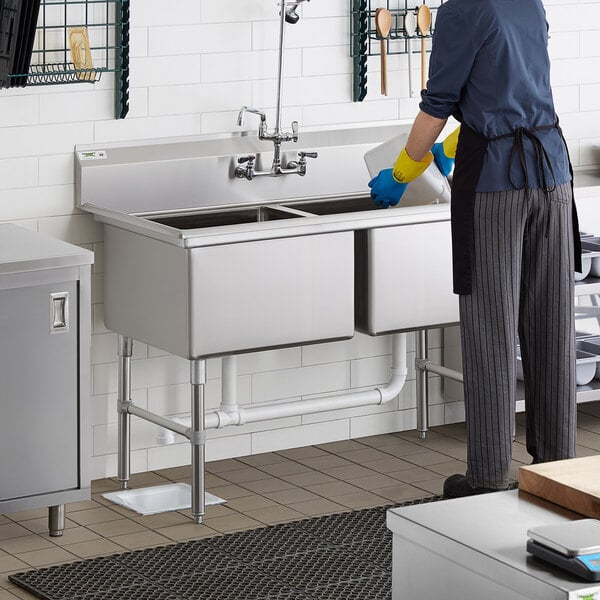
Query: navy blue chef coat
x=490 y=68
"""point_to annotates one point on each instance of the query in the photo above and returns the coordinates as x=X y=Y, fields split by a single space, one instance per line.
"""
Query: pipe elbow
x=394 y=386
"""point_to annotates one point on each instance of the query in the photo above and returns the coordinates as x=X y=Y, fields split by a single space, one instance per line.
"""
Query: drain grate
x=335 y=557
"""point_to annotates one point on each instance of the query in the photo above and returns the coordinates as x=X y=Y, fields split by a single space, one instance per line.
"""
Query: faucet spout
x=254 y=111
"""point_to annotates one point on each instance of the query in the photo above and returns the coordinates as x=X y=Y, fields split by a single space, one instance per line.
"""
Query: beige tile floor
x=260 y=490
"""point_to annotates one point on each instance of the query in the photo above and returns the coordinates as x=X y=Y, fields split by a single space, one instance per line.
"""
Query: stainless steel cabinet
x=44 y=373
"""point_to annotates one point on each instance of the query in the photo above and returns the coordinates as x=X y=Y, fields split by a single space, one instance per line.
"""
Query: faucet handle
x=246 y=172
x=304 y=155
x=294 y=131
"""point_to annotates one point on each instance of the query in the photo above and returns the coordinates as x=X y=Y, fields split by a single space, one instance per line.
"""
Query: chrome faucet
x=245 y=168
x=254 y=111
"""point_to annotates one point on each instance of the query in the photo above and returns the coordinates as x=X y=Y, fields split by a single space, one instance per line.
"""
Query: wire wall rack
x=365 y=42
x=77 y=41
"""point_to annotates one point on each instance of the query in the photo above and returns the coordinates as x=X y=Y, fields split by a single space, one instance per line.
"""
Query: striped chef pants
x=522 y=280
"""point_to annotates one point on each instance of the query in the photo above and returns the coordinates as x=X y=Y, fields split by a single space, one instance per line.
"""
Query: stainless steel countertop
x=24 y=250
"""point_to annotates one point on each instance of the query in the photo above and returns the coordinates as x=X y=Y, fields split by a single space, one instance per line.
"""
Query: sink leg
x=123 y=402
x=56 y=520
x=198 y=437
x=422 y=389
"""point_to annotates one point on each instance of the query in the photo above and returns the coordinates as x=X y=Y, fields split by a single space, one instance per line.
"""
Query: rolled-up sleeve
x=452 y=56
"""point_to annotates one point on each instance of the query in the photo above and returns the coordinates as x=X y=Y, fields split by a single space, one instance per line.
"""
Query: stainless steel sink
x=200 y=263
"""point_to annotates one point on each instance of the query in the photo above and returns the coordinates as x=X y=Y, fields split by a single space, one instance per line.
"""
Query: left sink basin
x=220 y=297
x=219 y=218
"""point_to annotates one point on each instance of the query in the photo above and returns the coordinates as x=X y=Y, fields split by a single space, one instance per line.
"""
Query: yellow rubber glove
x=406 y=169
x=445 y=152
x=450 y=142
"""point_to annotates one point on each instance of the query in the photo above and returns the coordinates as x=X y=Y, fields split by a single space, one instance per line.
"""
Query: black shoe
x=457 y=486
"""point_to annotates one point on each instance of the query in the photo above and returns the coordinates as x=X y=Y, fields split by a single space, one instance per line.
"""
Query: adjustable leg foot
x=56 y=520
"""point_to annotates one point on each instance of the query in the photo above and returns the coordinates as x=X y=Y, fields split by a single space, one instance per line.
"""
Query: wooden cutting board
x=573 y=483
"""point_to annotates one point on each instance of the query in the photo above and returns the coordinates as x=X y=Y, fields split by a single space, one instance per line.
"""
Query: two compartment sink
x=199 y=277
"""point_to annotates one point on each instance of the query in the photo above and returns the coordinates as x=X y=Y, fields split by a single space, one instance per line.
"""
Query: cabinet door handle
x=59 y=312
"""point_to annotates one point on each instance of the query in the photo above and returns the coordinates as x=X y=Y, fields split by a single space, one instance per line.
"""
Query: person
x=515 y=237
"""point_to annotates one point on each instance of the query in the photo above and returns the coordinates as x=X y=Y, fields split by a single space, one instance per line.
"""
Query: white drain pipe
x=230 y=413
x=229 y=405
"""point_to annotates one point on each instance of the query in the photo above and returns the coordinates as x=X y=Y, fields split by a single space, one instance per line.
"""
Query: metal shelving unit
x=585 y=393
x=102 y=46
x=590 y=286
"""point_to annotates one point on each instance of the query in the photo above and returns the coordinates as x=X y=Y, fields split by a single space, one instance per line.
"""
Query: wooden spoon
x=383 y=26
x=424 y=23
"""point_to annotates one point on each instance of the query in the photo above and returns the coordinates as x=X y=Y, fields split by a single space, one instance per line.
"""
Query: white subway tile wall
x=193 y=64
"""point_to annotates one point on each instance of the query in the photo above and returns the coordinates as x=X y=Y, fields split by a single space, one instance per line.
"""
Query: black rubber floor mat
x=335 y=557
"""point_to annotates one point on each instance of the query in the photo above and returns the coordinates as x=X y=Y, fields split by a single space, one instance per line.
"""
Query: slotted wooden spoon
x=383 y=26
x=423 y=23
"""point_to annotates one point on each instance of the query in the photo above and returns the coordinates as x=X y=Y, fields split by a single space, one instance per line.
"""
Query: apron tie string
x=542 y=162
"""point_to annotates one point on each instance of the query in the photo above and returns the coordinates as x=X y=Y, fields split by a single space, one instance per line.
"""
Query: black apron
x=470 y=153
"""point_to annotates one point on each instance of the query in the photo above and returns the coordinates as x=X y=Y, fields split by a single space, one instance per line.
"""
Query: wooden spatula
x=383 y=26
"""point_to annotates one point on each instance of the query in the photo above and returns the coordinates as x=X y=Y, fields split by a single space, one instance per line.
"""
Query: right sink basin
x=403 y=273
x=404 y=278
x=335 y=207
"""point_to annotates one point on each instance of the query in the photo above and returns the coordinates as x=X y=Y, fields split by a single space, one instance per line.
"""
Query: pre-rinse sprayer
x=246 y=164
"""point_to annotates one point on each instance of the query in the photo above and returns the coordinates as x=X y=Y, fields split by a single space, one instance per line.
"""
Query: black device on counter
x=573 y=546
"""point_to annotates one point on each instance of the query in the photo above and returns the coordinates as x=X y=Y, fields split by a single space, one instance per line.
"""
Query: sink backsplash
x=197 y=172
